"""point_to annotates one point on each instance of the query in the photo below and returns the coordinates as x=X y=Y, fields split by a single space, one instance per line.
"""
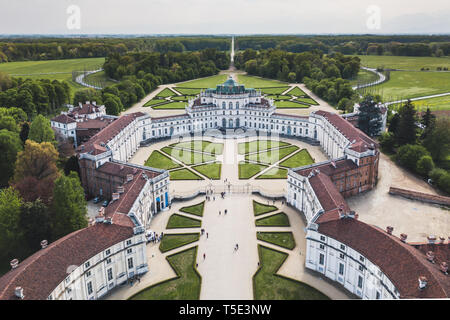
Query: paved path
x=381 y=79
x=80 y=79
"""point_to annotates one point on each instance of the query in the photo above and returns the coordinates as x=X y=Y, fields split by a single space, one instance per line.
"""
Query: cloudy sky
x=223 y=17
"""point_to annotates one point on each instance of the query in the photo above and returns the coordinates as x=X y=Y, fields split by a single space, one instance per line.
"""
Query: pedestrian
x=204 y=256
x=225 y=211
x=207 y=235
x=196 y=265
x=219 y=212
x=237 y=246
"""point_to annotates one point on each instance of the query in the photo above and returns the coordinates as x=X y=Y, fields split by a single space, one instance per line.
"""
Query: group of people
x=203 y=232
x=154 y=238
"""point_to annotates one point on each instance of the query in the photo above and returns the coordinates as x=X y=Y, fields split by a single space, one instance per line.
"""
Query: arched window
x=237 y=104
x=230 y=105
x=224 y=104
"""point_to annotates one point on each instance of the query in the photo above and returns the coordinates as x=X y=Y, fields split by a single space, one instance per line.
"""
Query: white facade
x=104 y=271
x=348 y=267
x=67 y=130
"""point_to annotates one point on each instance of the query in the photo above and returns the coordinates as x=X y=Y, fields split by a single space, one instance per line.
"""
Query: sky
x=224 y=17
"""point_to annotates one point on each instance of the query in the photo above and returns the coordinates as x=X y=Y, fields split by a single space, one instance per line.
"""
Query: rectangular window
x=341 y=269
x=321 y=259
x=129 y=251
x=89 y=288
x=108 y=252
x=110 y=275
x=341 y=255
x=361 y=258
x=360 y=282
x=108 y=261
x=88 y=274
x=87 y=264
x=128 y=242
x=130 y=263
x=322 y=238
x=378 y=295
x=342 y=247
x=322 y=247
x=360 y=267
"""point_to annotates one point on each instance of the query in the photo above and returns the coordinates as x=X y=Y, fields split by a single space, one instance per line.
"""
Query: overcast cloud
x=226 y=16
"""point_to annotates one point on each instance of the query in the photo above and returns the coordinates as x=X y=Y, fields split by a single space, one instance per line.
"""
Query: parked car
x=105 y=203
x=97 y=199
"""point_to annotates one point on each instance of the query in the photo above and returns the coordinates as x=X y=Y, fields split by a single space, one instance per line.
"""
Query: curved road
x=80 y=79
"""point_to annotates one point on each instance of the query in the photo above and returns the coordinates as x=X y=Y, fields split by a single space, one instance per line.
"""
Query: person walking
x=219 y=212
x=204 y=256
x=207 y=235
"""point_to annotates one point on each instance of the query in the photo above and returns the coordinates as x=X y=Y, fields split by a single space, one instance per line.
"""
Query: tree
x=41 y=130
x=35 y=223
x=36 y=160
x=408 y=155
x=425 y=165
x=387 y=141
x=68 y=210
x=112 y=107
x=370 y=119
x=24 y=132
x=406 y=132
x=428 y=120
x=438 y=140
x=8 y=123
x=10 y=145
x=10 y=232
x=72 y=165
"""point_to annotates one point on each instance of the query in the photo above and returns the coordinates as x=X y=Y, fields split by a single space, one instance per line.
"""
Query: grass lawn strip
x=160 y=161
x=173 y=241
x=300 y=159
x=184 y=174
x=277 y=90
x=188 y=91
x=260 y=208
x=271 y=156
x=290 y=104
x=277 y=220
x=267 y=285
x=282 y=239
x=196 y=209
x=211 y=170
x=166 y=93
x=259 y=83
x=171 y=105
x=177 y=221
x=188 y=157
x=248 y=170
x=208 y=82
x=200 y=145
x=297 y=92
x=185 y=286
x=274 y=173
x=260 y=145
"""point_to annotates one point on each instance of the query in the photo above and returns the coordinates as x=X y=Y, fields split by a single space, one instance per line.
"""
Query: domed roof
x=230 y=82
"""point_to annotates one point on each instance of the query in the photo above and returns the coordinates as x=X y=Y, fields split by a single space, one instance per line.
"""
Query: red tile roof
x=340 y=166
x=42 y=272
x=86 y=109
x=402 y=263
x=63 y=118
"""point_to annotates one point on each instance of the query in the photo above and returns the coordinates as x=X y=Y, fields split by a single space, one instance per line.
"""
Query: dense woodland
x=325 y=75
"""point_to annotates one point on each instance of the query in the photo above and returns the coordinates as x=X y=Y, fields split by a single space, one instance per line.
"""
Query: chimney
x=444 y=267
x=115 y=196
x=441 y=240
x=431 y=239
x=422 y=282
x=430 y=256
x=333 y=164
x=129 y=177
x=91 y=222
x=389 y=229
x=18 y=292
x=121 y=168
x=403 y=237
x=120 y=189
x=14 y=263
x=44 y=244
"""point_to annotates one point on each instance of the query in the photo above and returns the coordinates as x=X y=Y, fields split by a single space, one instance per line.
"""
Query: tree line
x=325 y=75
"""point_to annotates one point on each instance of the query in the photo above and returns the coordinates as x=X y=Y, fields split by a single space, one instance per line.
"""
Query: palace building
x=365 y=260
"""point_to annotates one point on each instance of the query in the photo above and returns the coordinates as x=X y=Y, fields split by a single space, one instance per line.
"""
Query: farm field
x=405 y=63
x=440 y=103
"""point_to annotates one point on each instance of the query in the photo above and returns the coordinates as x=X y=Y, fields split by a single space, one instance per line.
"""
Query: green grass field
x=248 y=170
x=277 y=90
x=188 y=91
x=185 y=286
x=161 y=161
x=99 y=79
x=260 y=208
x=211 y=170
x=267 y=285
x=440 y=103
x=297 y=92
x=166 y=93
x=177 y=221
x=209 y=82
x=200 y=145
x=188 y=157
x=259 y=145
x=405 y=63
x=289 y=105
x=172 y=241
x=363 y=77
x=274 y=173
x=183 y=174
x=196 y=209
x=309 y=101
x=282 y=239
x=276 y=220
x=181 y=98
x=62 y=69
x=279 y=97
x=171 y=105
x=155 y=101
x=301 y=158
x=403 y=85
x=271 y=156
x=257 y=82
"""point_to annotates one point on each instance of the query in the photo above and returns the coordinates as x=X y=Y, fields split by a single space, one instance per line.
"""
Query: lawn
x=271 y=156
x=200 y=145
x=183 y=174
x=307 y=101
x=282 y=239
x=99 y=79
x=211 y=170
x=260 y=208
x=267 y=285
x=279 y=97
x=405 y=63
x=188 y=91
x=297 y=92
x=274 y=173
x=196 y=209
x=177 y=221
x=289 y=104
x=364 y=77
x=300 y=159
x=188 y=157
x=155 y=101
x=209 y=82
x=257 y=82
x=440 y=103
x=248 y=170
x=259 y=145
x=185 y=286
x=166 y=93
x=276 y=220
x=277 y=90
x=159 y=160
x=182 y=98
x=172 y=105
x=404 y=85
x=172 y=241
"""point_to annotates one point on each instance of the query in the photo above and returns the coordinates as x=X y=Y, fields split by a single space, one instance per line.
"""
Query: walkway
x=80 y=79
